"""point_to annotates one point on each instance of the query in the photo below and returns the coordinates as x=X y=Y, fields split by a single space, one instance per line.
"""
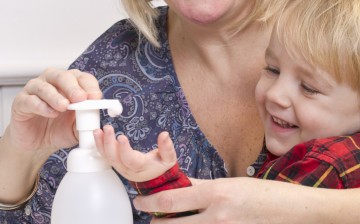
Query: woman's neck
x=217 y=32
x=210 y=46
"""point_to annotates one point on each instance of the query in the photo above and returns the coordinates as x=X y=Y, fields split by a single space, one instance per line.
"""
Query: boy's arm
x=171 y=179
x=149 y=172
x=335 y=165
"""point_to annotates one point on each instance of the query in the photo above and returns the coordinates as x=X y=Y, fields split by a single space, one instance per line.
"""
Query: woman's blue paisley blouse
x=143 y=79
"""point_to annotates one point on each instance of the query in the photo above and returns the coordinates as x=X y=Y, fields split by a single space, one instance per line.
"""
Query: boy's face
x=298 y=102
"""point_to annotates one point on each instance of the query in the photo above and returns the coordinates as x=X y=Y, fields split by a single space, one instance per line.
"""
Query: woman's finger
x=73 y=84
x=90 y=85
x=26 y=106
x=176 y=200
x=198 y=218
x=47 y=93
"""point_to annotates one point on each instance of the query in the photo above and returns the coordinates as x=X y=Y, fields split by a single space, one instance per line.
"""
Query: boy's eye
x=309 y=90
x=272 y=70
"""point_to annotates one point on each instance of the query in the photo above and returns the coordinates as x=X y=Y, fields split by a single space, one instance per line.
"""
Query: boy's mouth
x=282 y=123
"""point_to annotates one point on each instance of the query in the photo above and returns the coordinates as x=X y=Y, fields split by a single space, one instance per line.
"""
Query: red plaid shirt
x=171 y=179
x=328 y=163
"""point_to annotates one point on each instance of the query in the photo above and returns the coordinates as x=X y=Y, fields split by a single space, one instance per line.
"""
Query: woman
x=202 y=92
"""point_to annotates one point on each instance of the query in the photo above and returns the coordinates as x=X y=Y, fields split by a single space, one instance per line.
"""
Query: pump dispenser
x=91 y=192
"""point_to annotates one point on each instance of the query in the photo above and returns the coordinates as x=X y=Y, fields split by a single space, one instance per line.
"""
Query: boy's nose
x=279 y=94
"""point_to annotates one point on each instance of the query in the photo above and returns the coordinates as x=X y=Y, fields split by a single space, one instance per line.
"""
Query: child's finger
x=110 y=149
x=98 y=136
x=166 y=148
x=131 y=159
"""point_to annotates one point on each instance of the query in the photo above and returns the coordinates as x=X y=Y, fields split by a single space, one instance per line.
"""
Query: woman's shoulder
x=121 y=41
x=124 y=31
x=121 y=31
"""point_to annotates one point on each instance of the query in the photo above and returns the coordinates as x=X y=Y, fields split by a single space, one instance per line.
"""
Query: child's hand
x=132 y=164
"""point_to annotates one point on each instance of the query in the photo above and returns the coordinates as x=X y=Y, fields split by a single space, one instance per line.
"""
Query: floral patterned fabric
x=143 y=79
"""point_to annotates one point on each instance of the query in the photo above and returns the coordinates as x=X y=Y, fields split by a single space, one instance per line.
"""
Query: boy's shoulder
x=336 y=146
x=342 y=152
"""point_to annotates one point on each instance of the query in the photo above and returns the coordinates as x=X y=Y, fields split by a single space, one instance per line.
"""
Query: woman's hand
x=40 y=120
x=40 y=124
x=218 y=201
x=242 y=200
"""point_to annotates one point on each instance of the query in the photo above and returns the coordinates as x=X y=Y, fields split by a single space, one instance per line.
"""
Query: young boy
x=309 y=89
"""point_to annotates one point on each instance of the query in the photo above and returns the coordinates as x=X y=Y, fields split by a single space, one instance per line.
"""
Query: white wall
x=40 y=33
x=36 y=34
x=7 y=95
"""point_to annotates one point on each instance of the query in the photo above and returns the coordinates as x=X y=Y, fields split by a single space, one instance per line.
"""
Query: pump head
x=86 y=158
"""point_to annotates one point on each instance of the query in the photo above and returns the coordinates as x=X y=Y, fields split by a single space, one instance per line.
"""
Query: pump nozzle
x=113 y=106
x=86 y=157
x=88 y=118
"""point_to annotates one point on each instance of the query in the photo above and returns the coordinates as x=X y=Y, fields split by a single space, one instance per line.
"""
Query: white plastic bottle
x=91 y=192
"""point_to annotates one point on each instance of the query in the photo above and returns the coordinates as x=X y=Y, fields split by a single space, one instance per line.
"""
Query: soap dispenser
x=91 y=192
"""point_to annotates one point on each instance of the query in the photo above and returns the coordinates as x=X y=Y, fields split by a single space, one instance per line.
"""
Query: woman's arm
x=17 y=172
x=250 y=200
x=40 y=124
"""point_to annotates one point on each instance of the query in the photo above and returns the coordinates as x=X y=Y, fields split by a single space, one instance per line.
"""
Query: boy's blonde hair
x=142 y=14
x=326 y=33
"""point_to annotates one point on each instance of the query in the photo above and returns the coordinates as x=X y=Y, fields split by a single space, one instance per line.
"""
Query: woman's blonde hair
x=325 y=33
x=143 y=15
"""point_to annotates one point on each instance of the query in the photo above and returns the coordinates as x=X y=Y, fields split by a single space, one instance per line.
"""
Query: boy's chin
x=277 y=148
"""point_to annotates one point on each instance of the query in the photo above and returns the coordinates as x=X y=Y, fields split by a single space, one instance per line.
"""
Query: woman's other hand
x=235 y=200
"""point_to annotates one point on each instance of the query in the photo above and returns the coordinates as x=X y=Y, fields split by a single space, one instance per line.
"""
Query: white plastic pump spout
x=90 y=191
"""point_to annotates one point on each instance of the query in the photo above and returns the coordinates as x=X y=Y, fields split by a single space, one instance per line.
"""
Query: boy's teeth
x=282 y=123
